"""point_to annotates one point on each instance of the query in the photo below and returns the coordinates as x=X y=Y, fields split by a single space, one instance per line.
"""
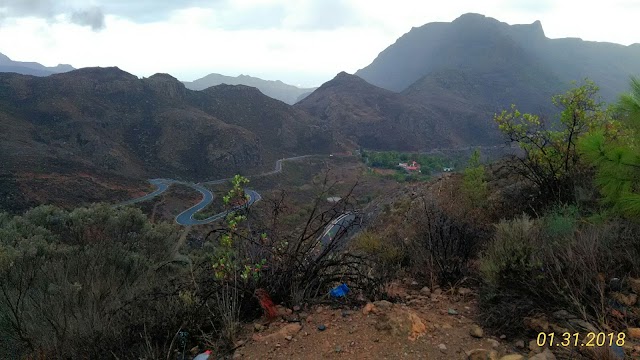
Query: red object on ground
x=204 y=356
x=266 y=304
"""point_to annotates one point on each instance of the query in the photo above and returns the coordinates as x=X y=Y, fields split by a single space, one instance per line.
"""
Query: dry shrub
x=442 y=245
x=528 y=269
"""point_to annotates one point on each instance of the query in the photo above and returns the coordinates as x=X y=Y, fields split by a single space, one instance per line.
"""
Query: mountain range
x=93 y=131
x=440 y=84
x=276 y=89
x=30 y=68
x=476 y=43
x=115 y=127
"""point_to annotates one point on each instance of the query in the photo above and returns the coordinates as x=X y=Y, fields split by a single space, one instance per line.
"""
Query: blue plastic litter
x=340 y=291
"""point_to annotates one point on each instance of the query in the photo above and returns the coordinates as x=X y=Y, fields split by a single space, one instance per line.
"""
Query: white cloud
x=277 y=40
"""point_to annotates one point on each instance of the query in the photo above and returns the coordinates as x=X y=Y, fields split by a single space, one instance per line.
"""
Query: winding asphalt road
x=185 y=218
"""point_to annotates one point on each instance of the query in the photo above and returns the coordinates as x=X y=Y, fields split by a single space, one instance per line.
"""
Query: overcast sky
x=302 y=42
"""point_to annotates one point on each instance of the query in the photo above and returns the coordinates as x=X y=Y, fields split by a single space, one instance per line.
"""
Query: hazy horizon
x=303 y=44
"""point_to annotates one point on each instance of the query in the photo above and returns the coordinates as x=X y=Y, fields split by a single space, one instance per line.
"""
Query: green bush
x=85 y=282
x=513 y=254
x=561 y=221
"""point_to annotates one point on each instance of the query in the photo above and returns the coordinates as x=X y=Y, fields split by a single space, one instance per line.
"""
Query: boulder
x=403 y=322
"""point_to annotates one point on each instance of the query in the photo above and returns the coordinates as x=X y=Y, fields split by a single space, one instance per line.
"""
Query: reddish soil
x=350 y=334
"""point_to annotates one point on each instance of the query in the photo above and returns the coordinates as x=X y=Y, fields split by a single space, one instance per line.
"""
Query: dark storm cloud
x=48 y=9
x=140 y=11
x=93 y=17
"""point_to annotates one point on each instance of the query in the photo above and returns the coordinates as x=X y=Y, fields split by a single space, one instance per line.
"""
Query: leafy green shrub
x=561 y=221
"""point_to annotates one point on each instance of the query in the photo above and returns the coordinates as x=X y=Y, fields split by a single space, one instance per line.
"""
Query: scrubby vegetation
x=554 y=228
x=102 y=281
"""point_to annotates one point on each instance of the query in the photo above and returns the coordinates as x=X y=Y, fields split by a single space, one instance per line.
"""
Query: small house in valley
x=410 y=167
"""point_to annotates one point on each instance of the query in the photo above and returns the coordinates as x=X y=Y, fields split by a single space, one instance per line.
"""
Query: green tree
x=613 y=150
x=550 y=158
x=474 y=184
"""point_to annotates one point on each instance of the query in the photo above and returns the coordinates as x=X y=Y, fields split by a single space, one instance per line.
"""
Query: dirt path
x=421 y=326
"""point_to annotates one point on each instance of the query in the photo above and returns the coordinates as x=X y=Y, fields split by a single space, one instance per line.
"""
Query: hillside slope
x=111 y=125
x=376 y=118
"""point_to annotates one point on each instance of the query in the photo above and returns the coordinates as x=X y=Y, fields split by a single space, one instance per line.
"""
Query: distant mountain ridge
x=107 y=127
x=438 y=46
x=30 y=68
x=440 y=84
x=275 y=89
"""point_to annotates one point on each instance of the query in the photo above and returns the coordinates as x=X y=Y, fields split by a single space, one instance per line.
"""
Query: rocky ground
x=422 y=324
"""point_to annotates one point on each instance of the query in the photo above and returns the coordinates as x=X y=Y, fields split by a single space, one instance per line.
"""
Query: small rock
x=545 y=355
x=322 y=327
x=563 y=315
x=296 y=308
x=635 y=285
x=476 y=331
x=288 y=337
x=512 y=357
x=581 y=325
x=237 y=355
x=383 y=304
x=437 y=292
x=628 y=300
x=258 y=327
x=414 y=283
x=503 y=336
x=520 y=344
x=533 y=346
x=319 y=310
x=346 y=313
x=536 y=324
x=482 y=354
x=368 y=308
x=494 y=343
x=338 y=349
x=633 y=333
x=442 y=347
x=425 y=291
x=464 y=291
x=452 y=312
